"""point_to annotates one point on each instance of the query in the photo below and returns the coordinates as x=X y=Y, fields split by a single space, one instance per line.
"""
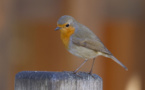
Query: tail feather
x=117 y=61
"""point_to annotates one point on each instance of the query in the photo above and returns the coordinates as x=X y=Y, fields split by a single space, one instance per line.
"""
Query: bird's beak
x=57 y=28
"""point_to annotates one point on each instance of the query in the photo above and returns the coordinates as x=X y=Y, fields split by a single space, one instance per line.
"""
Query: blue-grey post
x=41 y=80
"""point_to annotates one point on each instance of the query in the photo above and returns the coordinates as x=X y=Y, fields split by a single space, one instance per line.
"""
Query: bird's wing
x=95 y=45
x=86 y=38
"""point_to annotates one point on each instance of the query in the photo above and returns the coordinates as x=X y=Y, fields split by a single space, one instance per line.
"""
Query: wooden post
x=40 y=80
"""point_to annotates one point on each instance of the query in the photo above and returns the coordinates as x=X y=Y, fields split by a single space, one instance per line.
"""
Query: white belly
x=82 y=52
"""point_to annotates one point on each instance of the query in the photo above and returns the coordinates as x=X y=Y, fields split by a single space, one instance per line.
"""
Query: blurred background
x=28 y=41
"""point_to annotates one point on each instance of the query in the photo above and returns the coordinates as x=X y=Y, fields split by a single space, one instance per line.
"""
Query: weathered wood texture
x=37 y=80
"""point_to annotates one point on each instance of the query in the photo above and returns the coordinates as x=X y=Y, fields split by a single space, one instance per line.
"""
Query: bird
x=80 y=41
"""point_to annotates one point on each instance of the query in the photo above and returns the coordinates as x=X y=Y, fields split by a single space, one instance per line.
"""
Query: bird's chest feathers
x=65 y=35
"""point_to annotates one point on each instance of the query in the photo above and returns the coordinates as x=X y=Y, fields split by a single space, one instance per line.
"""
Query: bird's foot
x=90 y=73
x=76 y=73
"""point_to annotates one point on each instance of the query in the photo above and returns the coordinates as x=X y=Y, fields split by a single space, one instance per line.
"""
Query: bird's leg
x=92 y=66
x=80 y=66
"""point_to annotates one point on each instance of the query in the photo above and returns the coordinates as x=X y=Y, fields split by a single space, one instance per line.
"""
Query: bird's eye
x=67 y=25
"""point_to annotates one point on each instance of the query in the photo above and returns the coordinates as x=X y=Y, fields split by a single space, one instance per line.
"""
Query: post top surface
x=40 y=75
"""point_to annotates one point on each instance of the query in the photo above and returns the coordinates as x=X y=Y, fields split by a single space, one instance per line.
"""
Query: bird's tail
x=117 y=61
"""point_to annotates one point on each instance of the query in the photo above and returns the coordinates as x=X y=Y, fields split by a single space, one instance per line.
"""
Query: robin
x=82 y=42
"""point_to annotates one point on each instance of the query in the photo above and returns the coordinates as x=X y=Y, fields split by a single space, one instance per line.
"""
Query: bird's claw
x=90 y=73
x=77 y=74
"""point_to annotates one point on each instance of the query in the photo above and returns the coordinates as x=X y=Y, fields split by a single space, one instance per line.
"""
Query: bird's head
x=66 y=24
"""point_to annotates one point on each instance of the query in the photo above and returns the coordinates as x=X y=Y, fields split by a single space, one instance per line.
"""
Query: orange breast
x=65 y=35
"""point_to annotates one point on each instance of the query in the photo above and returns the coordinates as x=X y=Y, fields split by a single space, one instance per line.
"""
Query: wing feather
x=94 y=45
x=86 y=38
